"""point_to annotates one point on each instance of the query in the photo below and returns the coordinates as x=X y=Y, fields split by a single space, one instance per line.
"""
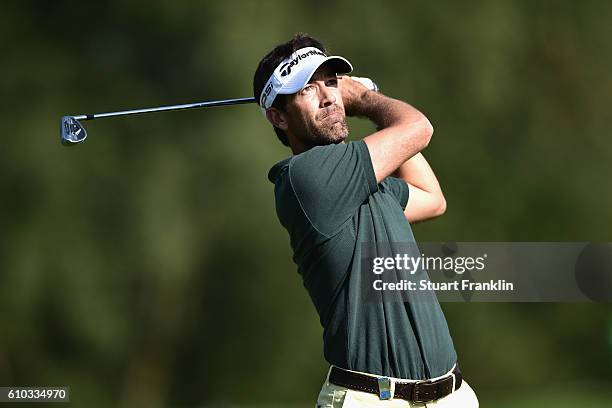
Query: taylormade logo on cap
x=294 y=72
x=286 y=67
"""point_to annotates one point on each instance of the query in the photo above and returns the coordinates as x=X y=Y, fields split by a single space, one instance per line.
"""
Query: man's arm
x=403 y=131
x=426 y=199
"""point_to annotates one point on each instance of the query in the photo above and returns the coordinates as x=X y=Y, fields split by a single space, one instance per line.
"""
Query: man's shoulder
x=279 y=169
x=309 y=158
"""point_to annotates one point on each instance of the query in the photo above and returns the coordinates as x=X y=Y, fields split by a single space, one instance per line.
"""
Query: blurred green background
x=146 y=267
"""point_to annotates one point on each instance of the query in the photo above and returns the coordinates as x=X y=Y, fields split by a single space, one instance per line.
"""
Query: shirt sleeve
x=399 y=189
x=331 y=182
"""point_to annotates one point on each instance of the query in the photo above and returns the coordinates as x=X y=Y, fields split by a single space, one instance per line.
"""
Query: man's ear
x=277 y=118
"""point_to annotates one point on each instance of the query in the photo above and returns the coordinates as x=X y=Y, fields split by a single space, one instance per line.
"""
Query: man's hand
x=352 y=92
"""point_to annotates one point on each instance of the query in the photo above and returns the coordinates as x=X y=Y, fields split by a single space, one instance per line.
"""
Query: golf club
x=72 y=131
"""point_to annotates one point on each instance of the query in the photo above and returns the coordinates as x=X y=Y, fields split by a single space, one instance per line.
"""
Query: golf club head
x=71 y=131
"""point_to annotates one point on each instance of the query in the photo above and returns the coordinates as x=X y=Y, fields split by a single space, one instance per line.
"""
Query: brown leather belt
x=419 y=391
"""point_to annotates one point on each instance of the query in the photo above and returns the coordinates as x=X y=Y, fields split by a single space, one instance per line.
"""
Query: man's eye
x=332 y=82
x=308 y=89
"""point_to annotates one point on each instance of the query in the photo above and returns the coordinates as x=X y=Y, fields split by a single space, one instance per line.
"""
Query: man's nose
x=328 y=97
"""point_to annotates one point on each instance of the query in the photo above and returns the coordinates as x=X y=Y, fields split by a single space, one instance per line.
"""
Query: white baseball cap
x=294 y=72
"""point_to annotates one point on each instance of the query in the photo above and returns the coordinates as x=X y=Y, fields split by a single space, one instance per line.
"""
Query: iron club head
x=71 y=131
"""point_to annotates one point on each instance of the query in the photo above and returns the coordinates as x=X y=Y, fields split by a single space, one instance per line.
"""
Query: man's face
x=315 y=114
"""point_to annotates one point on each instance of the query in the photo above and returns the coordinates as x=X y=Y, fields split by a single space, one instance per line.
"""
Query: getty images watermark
x=412 y=264
x=487 y=271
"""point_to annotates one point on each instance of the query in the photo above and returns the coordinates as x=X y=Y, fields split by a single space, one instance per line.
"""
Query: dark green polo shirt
x=328 y=200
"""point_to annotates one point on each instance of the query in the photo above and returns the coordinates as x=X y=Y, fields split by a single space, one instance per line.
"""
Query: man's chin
x=340 y=139
x=337 y=133
x=332 y=139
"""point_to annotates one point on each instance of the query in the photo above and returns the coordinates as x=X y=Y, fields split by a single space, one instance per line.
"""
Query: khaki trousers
x=335 y=396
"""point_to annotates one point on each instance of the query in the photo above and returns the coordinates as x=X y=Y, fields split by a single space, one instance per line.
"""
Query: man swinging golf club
x=333 y=196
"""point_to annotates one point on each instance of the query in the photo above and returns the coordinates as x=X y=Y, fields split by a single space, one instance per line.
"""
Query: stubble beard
x=325 y=132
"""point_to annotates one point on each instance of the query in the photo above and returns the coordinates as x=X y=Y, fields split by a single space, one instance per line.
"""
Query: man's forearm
x=383 y=110
x=417 y=172
x=403 y=131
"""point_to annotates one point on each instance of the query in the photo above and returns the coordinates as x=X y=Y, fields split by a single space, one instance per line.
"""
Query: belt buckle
x=386 y=388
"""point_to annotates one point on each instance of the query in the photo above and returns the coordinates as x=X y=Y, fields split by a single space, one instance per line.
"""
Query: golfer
x=332 y=196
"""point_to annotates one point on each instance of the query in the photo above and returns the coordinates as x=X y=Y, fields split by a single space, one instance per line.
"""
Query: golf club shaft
x=166 y=108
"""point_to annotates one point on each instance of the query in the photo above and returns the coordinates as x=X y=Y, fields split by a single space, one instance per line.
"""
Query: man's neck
x=298 y=147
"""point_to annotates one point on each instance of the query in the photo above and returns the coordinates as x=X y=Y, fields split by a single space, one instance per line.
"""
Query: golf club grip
x=367 y=82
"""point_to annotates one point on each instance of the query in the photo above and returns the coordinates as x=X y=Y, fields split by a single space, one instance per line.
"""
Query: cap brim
x=340 y=66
